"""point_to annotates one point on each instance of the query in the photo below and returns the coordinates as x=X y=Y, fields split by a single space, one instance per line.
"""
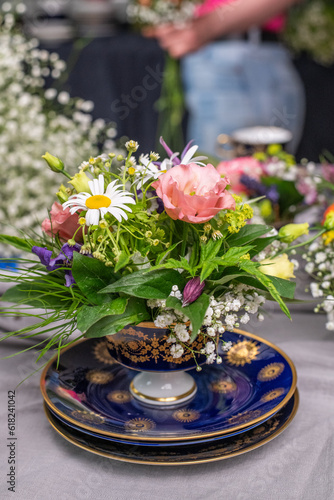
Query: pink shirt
x=276 y=24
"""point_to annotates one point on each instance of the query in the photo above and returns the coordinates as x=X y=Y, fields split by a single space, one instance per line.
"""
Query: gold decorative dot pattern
x=274 y=394
x=186 y=415
x=270 y=372
x=223 y=386
x=99 y=377
x=120 y=397
x=140 y=424
x=242 y=352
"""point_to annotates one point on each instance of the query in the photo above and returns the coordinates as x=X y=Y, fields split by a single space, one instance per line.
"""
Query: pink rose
x=192 y=193
x=234 y=169
x=62 y=222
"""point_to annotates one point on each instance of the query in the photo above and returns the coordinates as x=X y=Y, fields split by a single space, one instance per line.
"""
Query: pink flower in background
x=62 y=222
x=307 y=188
x=234 y=169
x=192 y=193
x=328 y=172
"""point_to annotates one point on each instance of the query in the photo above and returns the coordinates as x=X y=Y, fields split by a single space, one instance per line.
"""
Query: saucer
x=149 y=443
x=182 y=455
x=90 y=390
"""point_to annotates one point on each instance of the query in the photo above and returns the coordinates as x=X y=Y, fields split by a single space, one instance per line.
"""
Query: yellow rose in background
x=279 y=266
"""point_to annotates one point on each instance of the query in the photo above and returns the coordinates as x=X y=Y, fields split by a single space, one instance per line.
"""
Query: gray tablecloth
x=297 y=465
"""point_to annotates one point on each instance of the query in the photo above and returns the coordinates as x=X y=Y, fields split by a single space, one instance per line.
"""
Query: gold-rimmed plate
x=182 y=455
x=90 y=390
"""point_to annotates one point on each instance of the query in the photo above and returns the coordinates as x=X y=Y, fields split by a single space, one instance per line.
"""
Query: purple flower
x=192 y=291
x=64 y=259
x=176 y=161
x=260 y=189
x=272 y=194
x=43 y=254
x=69 y=280
x=187 y=155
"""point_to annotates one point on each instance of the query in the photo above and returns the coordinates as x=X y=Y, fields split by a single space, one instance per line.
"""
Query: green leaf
x=194 y=254
x=37 y=294
x=88 y=315
x=260 y=244
x=24 y=245
x=233 y=256
x=195 y=311
x=145 y=284
x=91 y=275
x=252 y=268
x=230 y=259
x=207 y=268
x=176 y=264
x=164 y=254
x=123 y=261
x=247 y=234
x=225 y=279
x=284 y=287
x=209 y=250
x=135 y=312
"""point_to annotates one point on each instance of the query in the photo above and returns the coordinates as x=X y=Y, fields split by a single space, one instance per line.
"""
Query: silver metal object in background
x=61 y=20
x=247 y=141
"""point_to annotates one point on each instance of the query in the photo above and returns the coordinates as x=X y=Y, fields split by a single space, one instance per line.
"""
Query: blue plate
x=89 y=390
x=150 y=443
x=182 y=455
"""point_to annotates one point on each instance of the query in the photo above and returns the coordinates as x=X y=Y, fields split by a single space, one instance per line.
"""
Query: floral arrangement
x=155 y=12
x=32 y=118
x=310 y=29
x=273 y=174
x=318 y=264
x=138 y=240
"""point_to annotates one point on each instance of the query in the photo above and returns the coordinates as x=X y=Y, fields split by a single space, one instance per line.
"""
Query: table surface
x=297 y=465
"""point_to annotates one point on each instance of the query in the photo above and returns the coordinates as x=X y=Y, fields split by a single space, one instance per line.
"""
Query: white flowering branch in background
x=34 y=119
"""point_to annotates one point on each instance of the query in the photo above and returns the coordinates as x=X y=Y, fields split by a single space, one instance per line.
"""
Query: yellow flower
x=80 y=182
x=279 y=266
x=274 y=149
x=328 y=237
x=291 y=232
x=237 y=198
x=62 y=194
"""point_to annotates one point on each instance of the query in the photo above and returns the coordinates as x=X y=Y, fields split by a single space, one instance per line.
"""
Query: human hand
x=180 y=40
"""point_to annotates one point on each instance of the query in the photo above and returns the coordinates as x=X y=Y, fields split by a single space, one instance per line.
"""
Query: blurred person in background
x=236 y=72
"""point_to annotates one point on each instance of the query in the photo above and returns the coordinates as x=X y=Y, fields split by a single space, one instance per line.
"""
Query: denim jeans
x=236 y=84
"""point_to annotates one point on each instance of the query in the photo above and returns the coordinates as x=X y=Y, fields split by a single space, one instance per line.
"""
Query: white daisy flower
x=190 y=158
x=100 y=202
x=147 y=171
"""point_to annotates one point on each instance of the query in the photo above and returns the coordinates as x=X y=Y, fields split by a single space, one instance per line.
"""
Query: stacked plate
x=240 y=405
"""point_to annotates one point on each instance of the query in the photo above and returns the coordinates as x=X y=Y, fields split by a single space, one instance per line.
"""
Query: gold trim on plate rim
x=171 y=438
x=162 y=400
x=49 y=416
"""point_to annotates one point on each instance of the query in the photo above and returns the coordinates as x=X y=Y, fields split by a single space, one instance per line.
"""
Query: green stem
x=170 y=106
x=304 y=243
x=184 y=239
